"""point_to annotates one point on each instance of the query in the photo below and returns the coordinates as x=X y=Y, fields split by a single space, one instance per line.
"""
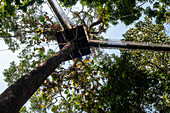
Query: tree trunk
x=16 y=95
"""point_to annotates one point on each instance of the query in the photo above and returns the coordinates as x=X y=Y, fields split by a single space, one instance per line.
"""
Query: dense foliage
x=126 y=10
x=137 y=81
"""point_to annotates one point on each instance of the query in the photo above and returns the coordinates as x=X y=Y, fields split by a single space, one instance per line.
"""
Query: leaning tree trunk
x=16 y=95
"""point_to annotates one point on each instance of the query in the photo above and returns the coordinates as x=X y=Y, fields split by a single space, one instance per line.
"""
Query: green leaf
x=123 y=75
x=41 y=52
x=156 y=5
x=42 y=19
x=76 y=106
x=66 y=92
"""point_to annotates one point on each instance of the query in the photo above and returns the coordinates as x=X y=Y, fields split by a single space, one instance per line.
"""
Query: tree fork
x=16 y=95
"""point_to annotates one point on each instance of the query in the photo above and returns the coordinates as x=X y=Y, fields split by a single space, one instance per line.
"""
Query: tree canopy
x=135 y=81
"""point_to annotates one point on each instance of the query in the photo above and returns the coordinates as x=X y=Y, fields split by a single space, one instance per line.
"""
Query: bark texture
x=16 y=95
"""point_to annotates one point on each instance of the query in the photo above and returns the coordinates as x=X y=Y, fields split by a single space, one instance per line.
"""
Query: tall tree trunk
x=16 y=95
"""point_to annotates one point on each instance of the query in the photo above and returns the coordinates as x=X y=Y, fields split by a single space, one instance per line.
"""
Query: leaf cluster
x=126 y=11
x=10 y=6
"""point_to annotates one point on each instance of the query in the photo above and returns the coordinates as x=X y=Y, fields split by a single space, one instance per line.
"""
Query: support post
x=64 y=22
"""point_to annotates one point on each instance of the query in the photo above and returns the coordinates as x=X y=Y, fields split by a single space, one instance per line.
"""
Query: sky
x=6 y=56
